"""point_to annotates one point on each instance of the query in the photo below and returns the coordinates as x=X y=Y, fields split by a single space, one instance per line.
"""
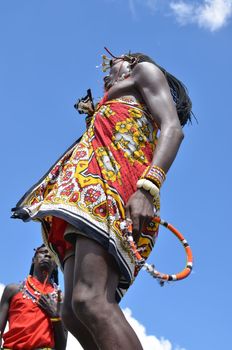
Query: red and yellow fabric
x=90 y=185
x=29 y=327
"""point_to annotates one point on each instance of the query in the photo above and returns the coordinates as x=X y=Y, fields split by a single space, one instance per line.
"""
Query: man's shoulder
x=147 y=73
x=10 y=290
x=146 y=67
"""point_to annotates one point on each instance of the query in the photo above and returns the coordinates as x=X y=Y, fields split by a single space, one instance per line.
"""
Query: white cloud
x=183 y=11
x=149 y=342
x=72 y=343
x=1 y=289
x=209 y=14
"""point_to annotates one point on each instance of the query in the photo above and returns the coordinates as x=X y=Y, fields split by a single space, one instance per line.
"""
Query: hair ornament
x=110 y=53
x=127 y=57
x=105 y=65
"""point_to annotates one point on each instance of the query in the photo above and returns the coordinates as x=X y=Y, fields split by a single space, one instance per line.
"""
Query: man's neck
x=41 y=276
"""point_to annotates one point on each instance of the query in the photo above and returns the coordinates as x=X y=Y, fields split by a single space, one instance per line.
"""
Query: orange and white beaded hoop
x=126 y=227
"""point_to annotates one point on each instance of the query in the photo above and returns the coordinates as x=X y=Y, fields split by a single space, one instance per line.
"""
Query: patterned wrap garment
x=89 y=186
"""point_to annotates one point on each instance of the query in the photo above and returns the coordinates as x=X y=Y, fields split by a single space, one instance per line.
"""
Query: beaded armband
x=154 y=174
x=148 y=186
x=55 y=319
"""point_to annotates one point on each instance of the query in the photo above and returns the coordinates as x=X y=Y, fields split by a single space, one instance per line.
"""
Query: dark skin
x=92 y=294
x=43 y=268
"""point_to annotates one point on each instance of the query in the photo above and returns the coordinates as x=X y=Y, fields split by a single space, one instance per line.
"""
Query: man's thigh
x=95 y=270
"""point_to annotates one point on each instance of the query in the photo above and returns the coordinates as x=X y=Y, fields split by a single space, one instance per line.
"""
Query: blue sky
x=49 y=53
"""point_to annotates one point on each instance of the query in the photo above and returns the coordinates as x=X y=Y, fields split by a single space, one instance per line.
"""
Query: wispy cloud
x=209 y=14
x=149 y=342
x=151 y=5
x=132 y=8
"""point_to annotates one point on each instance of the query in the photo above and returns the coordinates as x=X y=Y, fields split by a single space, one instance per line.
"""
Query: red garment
x=29 y=327
x=56 y=236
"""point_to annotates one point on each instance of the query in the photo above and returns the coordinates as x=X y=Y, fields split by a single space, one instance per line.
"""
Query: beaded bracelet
x=55 y=319
x=155 y=174
x=148 y=186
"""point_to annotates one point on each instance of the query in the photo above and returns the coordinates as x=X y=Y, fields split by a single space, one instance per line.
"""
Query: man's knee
x=89 y=307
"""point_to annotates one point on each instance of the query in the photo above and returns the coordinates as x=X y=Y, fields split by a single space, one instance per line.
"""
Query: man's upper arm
x=8 y=293
x=153 y=86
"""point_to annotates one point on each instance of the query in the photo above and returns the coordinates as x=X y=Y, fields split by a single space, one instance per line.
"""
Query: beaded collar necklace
x=30 y=291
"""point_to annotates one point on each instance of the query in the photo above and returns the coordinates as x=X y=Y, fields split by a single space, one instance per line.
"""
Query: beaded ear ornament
x=126 y=227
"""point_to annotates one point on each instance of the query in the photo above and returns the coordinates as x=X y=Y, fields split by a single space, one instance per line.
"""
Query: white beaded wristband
x=148 y=186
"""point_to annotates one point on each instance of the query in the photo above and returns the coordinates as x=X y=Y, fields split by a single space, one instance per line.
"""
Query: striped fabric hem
x=108 y=240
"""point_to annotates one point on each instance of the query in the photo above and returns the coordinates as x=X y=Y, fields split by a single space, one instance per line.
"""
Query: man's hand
x=140 y=209
x=49 y=306
x=85 y=107
x=52 y=309
x=85 y=104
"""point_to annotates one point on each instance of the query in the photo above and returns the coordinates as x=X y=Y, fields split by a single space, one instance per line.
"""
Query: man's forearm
x=60 y=335
x=3 y=321
x=168 y=145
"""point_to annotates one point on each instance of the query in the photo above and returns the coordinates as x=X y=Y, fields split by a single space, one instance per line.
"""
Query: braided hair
x=54 y=275
x=177 y=88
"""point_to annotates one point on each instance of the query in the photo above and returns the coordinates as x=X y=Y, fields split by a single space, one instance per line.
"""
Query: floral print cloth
x=91 y=183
